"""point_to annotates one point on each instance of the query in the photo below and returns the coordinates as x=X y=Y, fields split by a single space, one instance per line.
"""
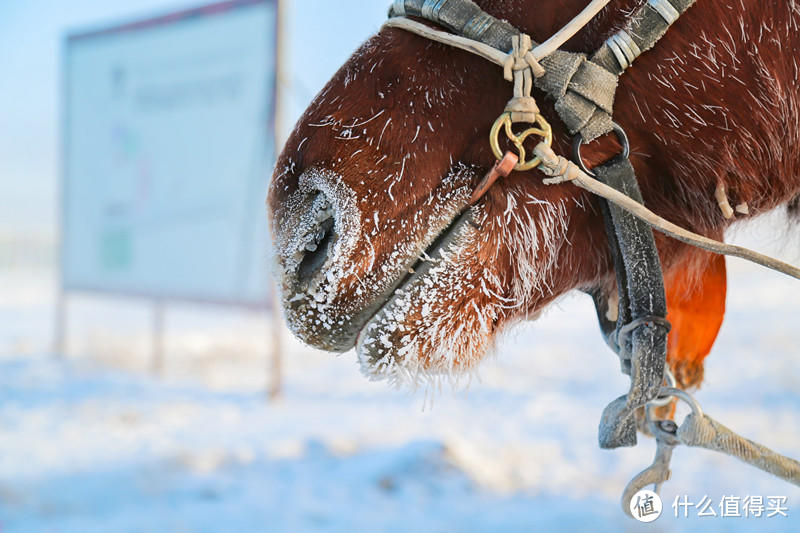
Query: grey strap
x=641 y=327
x=586 y=108
x=702 y=430
x=643 y=31
x=462 y=17
x=583 y=89
x=584 y=92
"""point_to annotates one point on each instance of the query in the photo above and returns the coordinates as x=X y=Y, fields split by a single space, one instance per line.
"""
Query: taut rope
x=561 y=170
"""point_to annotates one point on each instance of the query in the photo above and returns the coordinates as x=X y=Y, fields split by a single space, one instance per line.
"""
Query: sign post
x=168 y=145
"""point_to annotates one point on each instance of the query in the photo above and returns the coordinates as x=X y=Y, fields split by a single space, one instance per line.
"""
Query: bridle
x=639 y=336
x=583 y=87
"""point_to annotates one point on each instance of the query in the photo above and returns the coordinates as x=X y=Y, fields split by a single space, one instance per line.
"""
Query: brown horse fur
x=394 y=144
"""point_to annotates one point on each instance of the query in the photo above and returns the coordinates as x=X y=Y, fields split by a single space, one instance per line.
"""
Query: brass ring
x=504 y=121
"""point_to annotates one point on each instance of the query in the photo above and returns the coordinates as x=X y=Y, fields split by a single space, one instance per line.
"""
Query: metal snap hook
x=577 y=142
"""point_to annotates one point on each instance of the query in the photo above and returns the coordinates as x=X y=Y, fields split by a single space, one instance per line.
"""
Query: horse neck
x=711 y=105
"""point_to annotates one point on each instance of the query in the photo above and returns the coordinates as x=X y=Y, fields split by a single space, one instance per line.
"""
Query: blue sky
x=319 y=32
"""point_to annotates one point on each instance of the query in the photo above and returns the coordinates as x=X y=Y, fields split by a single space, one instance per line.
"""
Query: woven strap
x=463 y=17
x=585 y=111
x=706 y=432
x=642 y=32
x=583 y=89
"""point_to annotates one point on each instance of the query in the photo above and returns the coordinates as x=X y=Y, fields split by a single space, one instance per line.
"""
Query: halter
x=583 y=87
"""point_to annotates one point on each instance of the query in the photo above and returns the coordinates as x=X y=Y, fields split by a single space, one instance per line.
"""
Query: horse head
x=378 y=248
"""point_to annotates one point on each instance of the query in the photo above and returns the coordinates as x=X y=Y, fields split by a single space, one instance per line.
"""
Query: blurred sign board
x=167 y=151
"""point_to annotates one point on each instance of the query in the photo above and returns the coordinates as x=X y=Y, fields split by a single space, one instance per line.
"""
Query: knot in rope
x=521 y=66
x=558 y=167
x=521 y=58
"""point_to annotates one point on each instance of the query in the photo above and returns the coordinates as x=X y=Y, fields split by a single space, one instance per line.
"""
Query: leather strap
x=639 y=335
x=644 y=29
x=584 y=93
x=583 y=88
x=462 y=17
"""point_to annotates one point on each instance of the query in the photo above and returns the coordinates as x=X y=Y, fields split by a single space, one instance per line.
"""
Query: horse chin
x=340 y=267
x=431 y=325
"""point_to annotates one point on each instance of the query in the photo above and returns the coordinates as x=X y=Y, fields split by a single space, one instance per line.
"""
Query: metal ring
x=577 y=142
x=670 y=383
x=683 y=395
x=505 y=123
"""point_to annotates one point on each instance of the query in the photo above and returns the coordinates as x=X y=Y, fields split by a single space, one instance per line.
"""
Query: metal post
x=157 y=354
x=60 y=325
x=275 y=375
x=275 y=363
x=281 y=79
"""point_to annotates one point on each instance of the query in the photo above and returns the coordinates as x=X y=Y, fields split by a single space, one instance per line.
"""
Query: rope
x=559 y=168
x=573 y=26
x=707 y=433
x=492 y=54
x=700 y=430
x=485 y=51
x=520 y=66
x=563 y=170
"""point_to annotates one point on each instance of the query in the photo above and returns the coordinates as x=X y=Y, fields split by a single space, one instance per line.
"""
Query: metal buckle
x=577 y=142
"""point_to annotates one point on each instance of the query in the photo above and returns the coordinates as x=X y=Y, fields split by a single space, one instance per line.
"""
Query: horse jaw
x=493 y=264
x=369 y=256
x=443 y=320
x=402 y=176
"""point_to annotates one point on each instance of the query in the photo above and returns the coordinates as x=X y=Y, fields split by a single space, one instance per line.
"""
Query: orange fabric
x=695 y=308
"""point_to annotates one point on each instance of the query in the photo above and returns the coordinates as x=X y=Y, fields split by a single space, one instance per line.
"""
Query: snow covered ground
x=94 y=443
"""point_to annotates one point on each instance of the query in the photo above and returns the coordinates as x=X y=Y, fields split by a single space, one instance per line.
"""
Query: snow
x=94 y=443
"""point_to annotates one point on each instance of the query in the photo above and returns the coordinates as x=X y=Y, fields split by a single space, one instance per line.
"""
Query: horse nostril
x=316 y=249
